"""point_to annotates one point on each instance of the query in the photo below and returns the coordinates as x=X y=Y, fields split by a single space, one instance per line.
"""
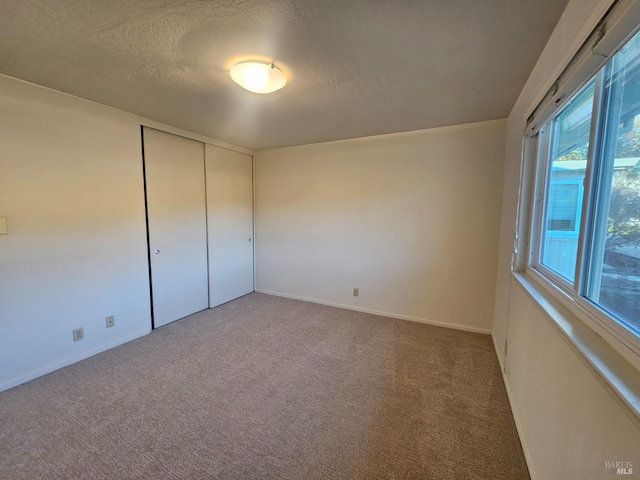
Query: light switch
x=3 y=226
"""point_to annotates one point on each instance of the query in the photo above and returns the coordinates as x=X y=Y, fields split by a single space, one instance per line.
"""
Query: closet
x=199 y=201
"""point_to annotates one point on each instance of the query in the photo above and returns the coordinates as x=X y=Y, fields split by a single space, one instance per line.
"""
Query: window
x=613 y=278
x=586 y=233
x=567 y=137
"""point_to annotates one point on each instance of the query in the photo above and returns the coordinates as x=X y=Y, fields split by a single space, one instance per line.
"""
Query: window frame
x=573 y=294
x=541 y=193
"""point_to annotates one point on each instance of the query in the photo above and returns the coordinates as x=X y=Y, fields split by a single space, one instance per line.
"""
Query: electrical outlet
x=78 y=334
x=356 y=292
x=110 y=321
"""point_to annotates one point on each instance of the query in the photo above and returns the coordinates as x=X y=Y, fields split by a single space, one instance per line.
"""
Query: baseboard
x=56 y=366
x=514 y=412
x=376 y=312
x=501 y=360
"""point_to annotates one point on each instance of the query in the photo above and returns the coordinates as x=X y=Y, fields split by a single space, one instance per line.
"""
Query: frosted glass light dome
x=258 y=76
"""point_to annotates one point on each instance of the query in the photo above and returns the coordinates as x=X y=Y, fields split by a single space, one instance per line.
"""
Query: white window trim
x=590 y=316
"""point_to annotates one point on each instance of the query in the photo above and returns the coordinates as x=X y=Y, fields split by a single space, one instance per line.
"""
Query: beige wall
x=410 y=219
x=569 y=423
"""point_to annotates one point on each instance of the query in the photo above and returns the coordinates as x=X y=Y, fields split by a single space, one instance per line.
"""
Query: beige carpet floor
x=270 y=388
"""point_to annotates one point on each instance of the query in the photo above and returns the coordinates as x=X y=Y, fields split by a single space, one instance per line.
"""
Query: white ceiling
x=355 y=67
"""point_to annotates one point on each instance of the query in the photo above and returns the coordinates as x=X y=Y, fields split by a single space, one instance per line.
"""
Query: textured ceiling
x=355 y=67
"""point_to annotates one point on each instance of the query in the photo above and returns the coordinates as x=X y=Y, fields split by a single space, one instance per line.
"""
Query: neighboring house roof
x=582 y=164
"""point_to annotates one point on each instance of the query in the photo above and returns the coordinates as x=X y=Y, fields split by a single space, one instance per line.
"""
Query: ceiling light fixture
x=258 y=76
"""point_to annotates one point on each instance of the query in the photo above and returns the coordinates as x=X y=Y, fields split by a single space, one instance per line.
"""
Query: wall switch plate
x=110 y=321
x=4 y=230
x=356 y=292
x=78 y=334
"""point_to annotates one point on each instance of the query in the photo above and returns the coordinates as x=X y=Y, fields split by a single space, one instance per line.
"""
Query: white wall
x=410 y=219
x=568 y=422
x=72 y=190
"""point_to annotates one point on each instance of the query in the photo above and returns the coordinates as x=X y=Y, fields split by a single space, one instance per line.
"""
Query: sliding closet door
x=230 y=223
x=176 y=216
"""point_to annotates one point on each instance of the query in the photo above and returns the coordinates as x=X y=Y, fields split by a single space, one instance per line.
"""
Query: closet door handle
x=157 y=252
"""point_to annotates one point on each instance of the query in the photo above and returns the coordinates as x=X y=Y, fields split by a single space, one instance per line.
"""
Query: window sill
x=614 y=372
